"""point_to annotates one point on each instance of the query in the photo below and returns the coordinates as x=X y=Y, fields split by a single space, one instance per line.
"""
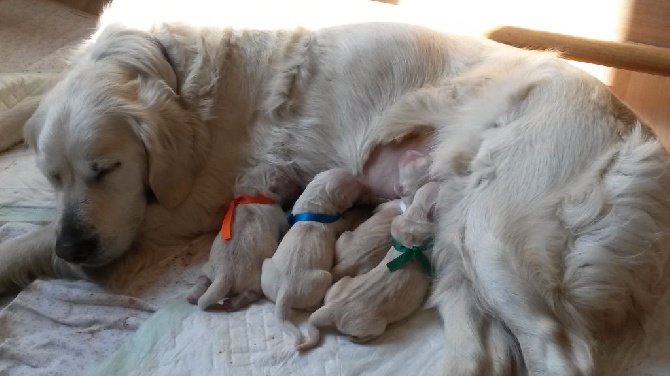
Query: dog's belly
x=380 y=171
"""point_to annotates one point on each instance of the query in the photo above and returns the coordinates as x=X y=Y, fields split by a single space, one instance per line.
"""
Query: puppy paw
x=215 y=293
x=240 y=301
x=201 y=285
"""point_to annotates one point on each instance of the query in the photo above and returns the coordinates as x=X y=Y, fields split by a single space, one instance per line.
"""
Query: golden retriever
x=553 y=206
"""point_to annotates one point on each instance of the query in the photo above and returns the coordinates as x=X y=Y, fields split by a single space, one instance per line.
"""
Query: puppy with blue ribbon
x=362 y=307
x=297 y=276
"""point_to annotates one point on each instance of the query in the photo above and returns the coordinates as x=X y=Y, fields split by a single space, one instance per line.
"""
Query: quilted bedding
x=60 y=327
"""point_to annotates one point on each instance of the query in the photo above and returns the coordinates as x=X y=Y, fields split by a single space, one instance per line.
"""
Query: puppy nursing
x=358 y=251
x=297 y=276
x=233 y=270
x=362 y=307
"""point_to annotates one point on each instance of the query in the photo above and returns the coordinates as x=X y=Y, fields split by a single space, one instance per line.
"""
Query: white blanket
x=181 y=340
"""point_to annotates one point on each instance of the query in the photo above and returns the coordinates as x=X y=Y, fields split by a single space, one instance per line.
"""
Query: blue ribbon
x=312 y=217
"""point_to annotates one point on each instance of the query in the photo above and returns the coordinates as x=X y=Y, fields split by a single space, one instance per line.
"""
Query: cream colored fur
x=358 y=251
x=233 y=270
x=553 y=203
x=297 y=276
x=363 y=306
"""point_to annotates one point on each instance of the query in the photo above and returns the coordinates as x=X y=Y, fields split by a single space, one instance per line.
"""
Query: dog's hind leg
x=201 y=285
x=217 y=291
x=464 y=353
x=282 y=311
x=547 y=346
x=241 y=300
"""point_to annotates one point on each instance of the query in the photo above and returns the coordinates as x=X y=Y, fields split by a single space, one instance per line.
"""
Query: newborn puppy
x=358 y=251
x=362 y=307
x=297 y=276
x=233 y=270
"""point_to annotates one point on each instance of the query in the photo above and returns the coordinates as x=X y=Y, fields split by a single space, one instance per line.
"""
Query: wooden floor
x=642 y=21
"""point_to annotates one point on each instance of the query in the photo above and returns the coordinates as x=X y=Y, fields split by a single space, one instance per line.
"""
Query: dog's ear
x=175 y=140
x=135 y=50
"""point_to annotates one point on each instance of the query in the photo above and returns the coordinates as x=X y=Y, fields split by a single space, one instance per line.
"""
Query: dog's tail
x=12 y=121
x=217 y=291
x=282 y=311
x=318 y=319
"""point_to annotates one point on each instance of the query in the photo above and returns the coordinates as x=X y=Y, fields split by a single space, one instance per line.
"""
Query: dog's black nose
x=76 y=248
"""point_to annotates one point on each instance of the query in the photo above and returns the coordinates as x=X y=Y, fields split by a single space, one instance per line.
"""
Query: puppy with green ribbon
x=362 y=307
x=359 y=251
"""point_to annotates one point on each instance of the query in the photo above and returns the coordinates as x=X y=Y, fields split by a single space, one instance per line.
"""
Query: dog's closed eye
x=103 y=168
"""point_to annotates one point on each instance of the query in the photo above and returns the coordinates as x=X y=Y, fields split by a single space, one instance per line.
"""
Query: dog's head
x=110 y=137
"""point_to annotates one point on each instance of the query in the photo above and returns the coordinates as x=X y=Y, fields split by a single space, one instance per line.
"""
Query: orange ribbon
x=227 y=224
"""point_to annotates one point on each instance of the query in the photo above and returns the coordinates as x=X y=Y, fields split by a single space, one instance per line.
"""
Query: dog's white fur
x=233 y=270
x=552 y=214
x=298 y=275
x=556 y=233
x=362 y=307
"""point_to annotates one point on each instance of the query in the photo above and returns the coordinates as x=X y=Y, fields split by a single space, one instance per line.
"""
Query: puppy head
x=342 y=188
x=412 y=172
x=110 y=132
x=334 y=190
x=416 y=225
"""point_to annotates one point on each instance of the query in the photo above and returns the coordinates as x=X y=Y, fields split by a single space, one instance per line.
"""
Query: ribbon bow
x=409 y=254
x=312 y=217
x=227 y=224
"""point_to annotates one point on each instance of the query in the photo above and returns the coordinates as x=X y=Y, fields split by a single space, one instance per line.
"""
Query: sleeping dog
x=552 y=215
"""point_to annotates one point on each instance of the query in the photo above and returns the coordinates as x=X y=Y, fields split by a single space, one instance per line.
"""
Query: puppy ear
x=176 y=141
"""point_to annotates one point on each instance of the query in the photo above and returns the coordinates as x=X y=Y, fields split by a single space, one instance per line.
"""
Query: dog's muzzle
x=76 y=245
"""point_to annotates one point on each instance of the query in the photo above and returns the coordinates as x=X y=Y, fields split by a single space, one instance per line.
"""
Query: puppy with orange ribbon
x=250 y=232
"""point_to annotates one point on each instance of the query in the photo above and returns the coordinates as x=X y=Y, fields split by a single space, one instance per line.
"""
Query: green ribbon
x=409 y=254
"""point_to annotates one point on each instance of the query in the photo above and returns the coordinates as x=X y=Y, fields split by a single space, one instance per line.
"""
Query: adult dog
x=553 y=206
